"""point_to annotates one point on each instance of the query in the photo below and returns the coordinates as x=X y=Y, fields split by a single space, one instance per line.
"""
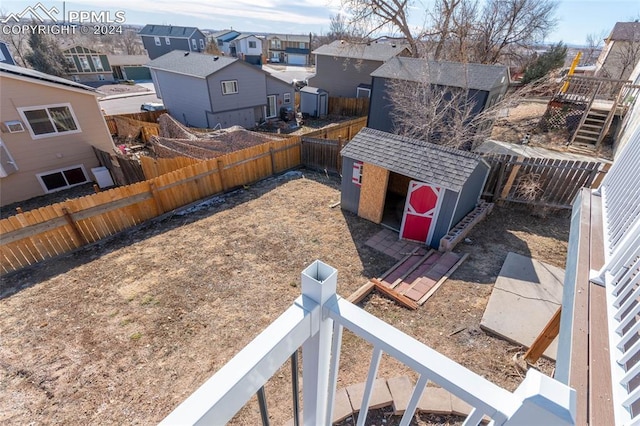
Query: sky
x=576 y=18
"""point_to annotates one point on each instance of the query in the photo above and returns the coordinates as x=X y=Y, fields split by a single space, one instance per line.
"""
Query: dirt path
x=122 y=332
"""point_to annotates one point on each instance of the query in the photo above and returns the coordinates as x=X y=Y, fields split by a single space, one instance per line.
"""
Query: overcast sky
x=577 y=18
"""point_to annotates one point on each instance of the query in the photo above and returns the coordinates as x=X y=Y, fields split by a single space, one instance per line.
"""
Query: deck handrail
x=315 y=322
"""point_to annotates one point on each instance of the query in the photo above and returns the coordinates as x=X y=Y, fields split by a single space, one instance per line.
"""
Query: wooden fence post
x=600 y=176
x=74 y=225
x=339 y=157
x=273 y=161
x=156 y=197
x=221 y=174
x=511 y=179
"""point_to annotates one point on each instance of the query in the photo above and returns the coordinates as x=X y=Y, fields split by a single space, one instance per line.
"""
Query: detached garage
x=420 y=189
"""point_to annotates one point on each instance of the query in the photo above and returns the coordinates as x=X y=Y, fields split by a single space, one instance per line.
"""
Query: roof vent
x=393 y=45
x=186 y=53
x=215 y=58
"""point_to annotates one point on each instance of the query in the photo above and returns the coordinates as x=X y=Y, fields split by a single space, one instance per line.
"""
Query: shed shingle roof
x=446 y=167
x=454 y=74
x=194 y=64
x=370 y=52
x=167 y=31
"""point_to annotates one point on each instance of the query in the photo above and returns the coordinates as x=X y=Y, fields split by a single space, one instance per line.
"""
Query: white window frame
x=202 y=44
x=364 y=89
x=97 y=63
x=356 y=177
x=2 y=58
x=3 y=172
x=276 y=44
x=84 y=62
x=194 y=44
x=226 y=90
x=287 y=97
x=274 y=113
x=9 y=124
x=50 y=172
x=46 y=108
x=255 y=44
x=71 y=63
x=167 y=41
x=302 y=45
x=156 y=39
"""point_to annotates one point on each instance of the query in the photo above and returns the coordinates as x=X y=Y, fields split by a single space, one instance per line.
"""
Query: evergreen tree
x=45 y=55
x=552 y=59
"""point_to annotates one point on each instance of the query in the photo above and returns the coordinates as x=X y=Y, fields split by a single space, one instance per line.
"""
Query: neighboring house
x=223 y=40
x=5 y=54
x=205 y=90
x=162 y=39
x=129 y=67
x=87 y=65
x=247 y=47
x=344 y=69
x=288 y=49
x=621 y=52
x=485 y=84
x=421 y=189
x=49 y=128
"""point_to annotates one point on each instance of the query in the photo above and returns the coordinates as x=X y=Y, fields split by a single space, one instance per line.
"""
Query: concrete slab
x=524 y=298
x=380 y=397
x=342 y=406
x=435 y=401
x=459 y=407
x=401 y=389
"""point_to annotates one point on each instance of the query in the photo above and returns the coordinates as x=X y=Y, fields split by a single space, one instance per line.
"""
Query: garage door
x=297 y=59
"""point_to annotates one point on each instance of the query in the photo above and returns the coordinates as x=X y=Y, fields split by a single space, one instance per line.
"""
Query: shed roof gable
x=446 y=167
x=364 y=51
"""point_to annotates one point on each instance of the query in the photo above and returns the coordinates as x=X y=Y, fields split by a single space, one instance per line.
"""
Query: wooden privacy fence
x=540 y=181
x=348 y=106
x=322 y=154
x=144 y=124
x=40 y=234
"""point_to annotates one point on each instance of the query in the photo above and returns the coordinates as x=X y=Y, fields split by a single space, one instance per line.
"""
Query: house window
x=287 y=98
x=229 y=87
x=356 y=178
x=71 y=66
x=167 y=41
x=252 y=45
x=50 y=120
x=271 y=106
x=85 y=63
x=56 y=180
x=97 y=63
x=7 y=165
x=202 y=43
x=363 y=92
x=194 y=43
x=275 y=44
x=220 y=42
x=302 y=45
x=157 y=40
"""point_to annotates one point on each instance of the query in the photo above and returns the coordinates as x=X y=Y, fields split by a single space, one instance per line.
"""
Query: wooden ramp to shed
x=415 y=278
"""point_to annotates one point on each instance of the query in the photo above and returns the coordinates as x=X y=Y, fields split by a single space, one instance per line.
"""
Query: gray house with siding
x=344 y=69
x=204 y=91
x=420 y=189
x=161 y=39
x=485 y=84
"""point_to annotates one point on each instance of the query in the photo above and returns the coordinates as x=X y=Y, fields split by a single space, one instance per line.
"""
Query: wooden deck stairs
x=593 y=127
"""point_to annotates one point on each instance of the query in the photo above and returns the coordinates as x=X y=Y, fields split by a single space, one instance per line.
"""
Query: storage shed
x=314 y=101
x=420 y=189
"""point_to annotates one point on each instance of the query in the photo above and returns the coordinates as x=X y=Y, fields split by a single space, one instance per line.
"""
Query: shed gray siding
x=349 y=192
x=471 y=192
x=184 y=96
x=380 y=107
x=341 y=76
x=447 y=206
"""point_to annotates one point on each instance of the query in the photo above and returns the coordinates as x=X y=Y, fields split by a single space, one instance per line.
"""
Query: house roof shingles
x=626 y=31
x=446 y=167
x=371 y=51
x=194 y=64
x=454 y=74
x=167 y=31
x=7 y=69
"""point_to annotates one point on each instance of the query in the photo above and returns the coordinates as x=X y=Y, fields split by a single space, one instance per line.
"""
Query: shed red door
x=420 y=211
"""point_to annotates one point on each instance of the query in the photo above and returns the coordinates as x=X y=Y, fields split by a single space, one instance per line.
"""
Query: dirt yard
x=122 y=332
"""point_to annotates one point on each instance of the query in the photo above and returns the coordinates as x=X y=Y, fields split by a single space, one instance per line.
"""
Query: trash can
x=103 y=177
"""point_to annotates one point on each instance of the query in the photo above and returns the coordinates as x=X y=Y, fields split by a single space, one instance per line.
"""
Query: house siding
x=447 y=206
x=185 y=96
x=341 y=76
x=50 y=153
x=349 y=191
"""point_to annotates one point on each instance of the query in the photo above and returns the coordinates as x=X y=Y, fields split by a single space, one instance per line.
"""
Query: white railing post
x=319 y=283
x=545 y=401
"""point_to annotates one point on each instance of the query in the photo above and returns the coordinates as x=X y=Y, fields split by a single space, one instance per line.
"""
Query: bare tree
x=131 y=42
x=594 y=43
